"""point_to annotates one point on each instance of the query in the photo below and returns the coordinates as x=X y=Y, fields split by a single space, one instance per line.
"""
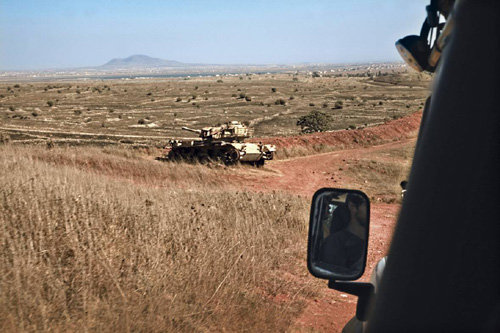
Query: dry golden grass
x=98 y=240
x=380 y=174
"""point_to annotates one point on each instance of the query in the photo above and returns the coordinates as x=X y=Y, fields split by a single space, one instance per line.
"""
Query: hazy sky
x=36 y=34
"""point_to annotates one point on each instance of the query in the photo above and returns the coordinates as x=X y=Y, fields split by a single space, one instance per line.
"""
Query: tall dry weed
x=82 y=249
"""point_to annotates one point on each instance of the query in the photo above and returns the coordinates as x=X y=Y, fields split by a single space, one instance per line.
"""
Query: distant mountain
x=141 y=61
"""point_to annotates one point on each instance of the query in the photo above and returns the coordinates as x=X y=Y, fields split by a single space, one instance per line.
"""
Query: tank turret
x=233 y=131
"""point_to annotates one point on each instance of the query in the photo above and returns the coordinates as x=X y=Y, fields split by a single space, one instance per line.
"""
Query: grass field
x=87 y=245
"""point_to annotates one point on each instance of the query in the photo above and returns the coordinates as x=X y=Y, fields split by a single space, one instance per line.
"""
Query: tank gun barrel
x=191 y=130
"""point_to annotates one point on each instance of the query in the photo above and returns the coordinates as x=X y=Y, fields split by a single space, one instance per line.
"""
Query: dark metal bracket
x=363 y=290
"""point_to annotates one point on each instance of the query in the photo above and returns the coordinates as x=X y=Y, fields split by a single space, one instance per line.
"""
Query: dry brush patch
x=84 y=251
x=131 y=165
x=380 y=174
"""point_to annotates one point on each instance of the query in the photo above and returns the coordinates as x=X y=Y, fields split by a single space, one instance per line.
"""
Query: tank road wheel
x=203 y=157
x=174 y=155
x=260 y=163
x=231 y=156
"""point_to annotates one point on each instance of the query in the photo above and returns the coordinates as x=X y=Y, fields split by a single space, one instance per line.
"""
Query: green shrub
x=315 y=121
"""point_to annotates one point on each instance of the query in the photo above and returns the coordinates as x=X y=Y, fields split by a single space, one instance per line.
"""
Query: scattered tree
x=315 y=121
x=338 y=105
x=280 y=101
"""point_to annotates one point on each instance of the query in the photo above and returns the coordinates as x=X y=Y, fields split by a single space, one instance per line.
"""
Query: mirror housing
x=338 y=234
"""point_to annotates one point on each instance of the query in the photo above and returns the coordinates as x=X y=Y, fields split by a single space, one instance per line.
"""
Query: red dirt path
x=330 y=310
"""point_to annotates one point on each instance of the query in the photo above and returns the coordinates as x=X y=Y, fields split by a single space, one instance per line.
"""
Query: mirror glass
x=338 y=234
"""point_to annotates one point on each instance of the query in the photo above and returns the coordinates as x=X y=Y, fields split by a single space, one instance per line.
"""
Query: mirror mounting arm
x=364 y=291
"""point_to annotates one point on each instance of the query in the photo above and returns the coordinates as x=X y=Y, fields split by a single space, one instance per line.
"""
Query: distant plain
x=151 y=111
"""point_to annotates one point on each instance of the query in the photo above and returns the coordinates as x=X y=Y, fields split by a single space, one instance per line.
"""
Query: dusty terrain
x=149 y=112
x=257 y=217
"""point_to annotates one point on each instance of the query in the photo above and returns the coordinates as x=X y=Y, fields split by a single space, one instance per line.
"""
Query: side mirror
x=338 y=234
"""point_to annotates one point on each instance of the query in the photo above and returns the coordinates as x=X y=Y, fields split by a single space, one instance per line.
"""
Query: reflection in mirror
x=338 y=234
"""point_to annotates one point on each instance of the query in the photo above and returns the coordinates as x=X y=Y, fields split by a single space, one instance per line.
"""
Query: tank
x=223 y=143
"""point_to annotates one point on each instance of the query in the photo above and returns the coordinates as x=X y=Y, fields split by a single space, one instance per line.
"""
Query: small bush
x=50 y=103
x=248 y=98
x=315 y=121
x=338 y=105
x=11 y=108
x=280 y=101
x=4 y=138
x=273 y=90
x=178 y=99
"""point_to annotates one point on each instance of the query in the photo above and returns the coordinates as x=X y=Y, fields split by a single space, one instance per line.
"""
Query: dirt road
x=329 y=310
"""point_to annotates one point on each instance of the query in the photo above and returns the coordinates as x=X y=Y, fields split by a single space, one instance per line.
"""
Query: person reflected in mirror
x=344 y=247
